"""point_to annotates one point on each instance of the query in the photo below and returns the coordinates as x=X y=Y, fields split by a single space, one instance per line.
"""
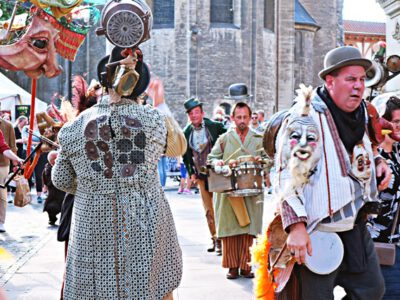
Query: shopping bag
x=23 y=192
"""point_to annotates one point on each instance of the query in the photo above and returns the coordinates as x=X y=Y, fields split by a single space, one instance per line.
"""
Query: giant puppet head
x=34 y=53
x=301 y=146
x=31 y=46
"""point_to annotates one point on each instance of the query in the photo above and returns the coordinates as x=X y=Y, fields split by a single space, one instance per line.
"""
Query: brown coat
x=9 y=136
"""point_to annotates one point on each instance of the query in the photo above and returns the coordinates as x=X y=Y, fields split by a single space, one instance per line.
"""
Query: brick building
x=201 y=47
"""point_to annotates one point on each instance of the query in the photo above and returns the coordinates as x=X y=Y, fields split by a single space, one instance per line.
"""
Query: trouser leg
x=368 y=284
x=3 y=194
x=236 y=251
x=207 y=198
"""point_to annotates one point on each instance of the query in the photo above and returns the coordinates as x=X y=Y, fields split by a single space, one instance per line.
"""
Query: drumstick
x=233 y=154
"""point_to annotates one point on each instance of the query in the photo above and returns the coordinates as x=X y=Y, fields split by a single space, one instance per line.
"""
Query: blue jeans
x=162 y=170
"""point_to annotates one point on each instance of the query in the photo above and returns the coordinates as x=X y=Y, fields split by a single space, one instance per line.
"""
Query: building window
x=269 y=15
x=221 y=11
x=163 y=13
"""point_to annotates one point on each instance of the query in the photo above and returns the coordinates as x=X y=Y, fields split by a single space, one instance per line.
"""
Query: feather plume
x=304 y=96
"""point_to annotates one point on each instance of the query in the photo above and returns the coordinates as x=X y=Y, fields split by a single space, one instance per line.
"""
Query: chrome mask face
x=125 y=81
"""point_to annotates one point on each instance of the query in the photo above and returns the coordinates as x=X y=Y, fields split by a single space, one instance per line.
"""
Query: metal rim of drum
x=109 y=33
x=245 y=192
x=248 y=166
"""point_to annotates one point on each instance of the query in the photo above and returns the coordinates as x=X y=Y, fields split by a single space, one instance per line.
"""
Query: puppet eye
x=40 y=43
x=295 y=135
x=311 y=138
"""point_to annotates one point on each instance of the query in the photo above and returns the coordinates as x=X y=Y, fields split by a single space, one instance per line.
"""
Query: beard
x=242 y=127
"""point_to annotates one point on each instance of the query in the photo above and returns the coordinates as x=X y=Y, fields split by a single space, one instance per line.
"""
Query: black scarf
x=351 y=126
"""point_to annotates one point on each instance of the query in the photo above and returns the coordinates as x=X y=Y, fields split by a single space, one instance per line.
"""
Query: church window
x=163 y=13
x=222 y=11
x=269 y=15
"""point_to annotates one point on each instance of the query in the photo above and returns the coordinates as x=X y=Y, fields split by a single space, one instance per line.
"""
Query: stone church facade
x=200 y=47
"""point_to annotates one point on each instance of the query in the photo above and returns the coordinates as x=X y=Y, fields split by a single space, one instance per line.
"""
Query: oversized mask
x=35 y=52
x=301 y=146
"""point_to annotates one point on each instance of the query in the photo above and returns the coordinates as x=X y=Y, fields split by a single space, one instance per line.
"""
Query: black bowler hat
x=141 y=68
x=192 y=103
x=342 y=57
x=237 y=91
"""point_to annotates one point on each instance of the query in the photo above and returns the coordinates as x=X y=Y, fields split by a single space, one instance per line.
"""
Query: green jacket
x=214 y=128
x=225 y=218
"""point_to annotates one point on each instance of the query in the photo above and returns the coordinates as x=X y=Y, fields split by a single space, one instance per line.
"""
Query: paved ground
x=36 y=268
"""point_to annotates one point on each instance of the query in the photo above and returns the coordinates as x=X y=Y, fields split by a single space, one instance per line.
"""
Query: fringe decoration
x=264 y=285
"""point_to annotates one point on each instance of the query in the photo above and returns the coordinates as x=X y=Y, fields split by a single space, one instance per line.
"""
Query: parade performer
x=123 y=242
x=335 y=197
x=237 y=238
x=201 y=134
x=384 y=227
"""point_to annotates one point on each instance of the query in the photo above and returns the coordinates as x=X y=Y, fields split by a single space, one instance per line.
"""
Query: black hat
x=342 y=57
x=237 y=91
x=141 y=68
x=192 y=103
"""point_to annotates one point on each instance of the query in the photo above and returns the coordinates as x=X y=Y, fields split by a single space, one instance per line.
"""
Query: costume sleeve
x=176 y=142
x=289 y=217
x=63 y=174
x=217 y=152
x=11 y=138
x=3 y=145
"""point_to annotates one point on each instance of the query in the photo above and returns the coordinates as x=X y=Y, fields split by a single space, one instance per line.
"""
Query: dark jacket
x=214 y=128
x=55 y=198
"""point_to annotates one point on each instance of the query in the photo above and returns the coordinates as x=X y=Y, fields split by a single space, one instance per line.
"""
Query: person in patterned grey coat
x=123 y=243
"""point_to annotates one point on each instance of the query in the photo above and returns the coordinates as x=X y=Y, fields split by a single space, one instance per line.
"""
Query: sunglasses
x=254 y=118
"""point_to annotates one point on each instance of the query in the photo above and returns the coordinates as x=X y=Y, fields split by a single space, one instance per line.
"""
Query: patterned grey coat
x=123 y=243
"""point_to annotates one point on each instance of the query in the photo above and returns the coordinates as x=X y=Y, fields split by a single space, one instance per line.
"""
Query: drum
x=327 y=252
x=248 y=177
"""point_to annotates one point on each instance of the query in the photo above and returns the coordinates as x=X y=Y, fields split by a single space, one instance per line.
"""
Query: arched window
x=221 y=11
x=163 y=13
x=269 y=15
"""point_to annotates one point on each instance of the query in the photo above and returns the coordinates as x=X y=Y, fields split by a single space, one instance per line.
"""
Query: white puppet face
x=303 y=137
x=361 y=163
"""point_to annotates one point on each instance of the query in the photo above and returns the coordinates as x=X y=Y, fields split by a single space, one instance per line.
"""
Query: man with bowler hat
x=336 y=195
x=201 y=134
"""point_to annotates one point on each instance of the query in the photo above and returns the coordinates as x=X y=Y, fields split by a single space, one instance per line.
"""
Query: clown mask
x=361 y=163
x=301 y=148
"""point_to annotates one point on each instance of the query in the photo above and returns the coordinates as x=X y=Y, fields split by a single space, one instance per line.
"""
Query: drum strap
x=326 y=167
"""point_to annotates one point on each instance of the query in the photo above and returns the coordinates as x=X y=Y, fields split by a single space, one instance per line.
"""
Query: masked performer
x=123 y=242
x=331 y=199
x=237 y=237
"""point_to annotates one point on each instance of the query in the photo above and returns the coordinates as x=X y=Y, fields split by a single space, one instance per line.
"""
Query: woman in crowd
x=381 y=226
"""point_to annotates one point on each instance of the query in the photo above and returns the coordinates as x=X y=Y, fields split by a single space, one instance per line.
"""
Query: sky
x=363 y=10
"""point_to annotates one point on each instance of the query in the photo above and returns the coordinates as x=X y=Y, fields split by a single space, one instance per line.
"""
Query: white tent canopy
x=12 y=94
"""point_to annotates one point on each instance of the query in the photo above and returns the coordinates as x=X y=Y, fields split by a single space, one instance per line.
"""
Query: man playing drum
x=239 y=146
x=334 y=197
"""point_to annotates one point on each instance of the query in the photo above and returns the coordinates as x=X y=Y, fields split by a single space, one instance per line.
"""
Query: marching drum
x=248 y=177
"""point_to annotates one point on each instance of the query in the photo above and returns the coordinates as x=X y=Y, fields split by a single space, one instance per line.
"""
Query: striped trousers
x=236 y=251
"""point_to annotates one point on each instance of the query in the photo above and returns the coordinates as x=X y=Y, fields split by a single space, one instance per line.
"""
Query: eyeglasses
x=254 y=118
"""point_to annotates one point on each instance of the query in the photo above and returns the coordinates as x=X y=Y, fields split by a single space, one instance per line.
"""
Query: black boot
x=218 y=247
x=212 y=248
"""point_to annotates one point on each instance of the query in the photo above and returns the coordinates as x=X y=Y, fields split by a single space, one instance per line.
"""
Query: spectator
x=55 y=197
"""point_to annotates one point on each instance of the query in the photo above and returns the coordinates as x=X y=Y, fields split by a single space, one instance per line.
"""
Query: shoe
x=212 y=248
x=186 y=191
x=180 y=191
x=247 y=273
x=218 y=247
x=233 y=273
x=2 y=229
x=39 y=200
